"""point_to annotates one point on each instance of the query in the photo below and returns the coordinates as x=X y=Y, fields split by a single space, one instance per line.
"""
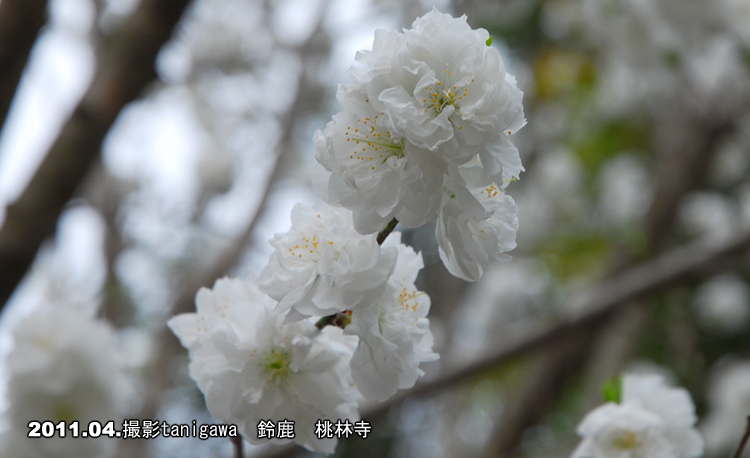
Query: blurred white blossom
x=729 y=401
x=723 y=303
x=64 y=367
x=651 y=420
x=708 y=214
x=625 y=189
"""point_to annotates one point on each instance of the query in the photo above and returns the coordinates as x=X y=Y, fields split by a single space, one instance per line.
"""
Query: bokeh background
x=121 y=203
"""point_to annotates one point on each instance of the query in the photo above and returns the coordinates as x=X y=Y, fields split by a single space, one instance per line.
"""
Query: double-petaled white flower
x=477 y=223
x=251 y=367
x=63 y=368
x=323 y=266
x=433 y=97
x=372 y=171
x=444 y=89
x=652 y=420
x=394 y=333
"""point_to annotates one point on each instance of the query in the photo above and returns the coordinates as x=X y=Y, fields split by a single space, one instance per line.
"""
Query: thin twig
x=238 y=446
x=743 y=442
x=382 y=235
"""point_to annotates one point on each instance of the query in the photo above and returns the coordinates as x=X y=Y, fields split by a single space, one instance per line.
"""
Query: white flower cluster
x=651 y=420
x=424 y=105
x=256 y=355
x=424 y=134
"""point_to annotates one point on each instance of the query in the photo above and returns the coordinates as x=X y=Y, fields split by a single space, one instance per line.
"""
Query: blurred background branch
x=125 y=68
x=20 y=22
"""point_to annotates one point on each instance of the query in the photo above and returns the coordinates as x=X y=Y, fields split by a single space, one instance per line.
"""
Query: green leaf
x=489 y=41
x=612 y=389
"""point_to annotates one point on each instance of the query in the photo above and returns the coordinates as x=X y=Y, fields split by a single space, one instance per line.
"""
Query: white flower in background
x=12 y=445
x=394 y=333
x=323 y=265
x=64 y=367
x=723 y=303
x=251 y=367
x=652 y=420
x=507 y=304
x=708 y=214
x=716 y=67
x=477 y=224
x=623 y=431
x=373 y=172
x=736 y=14
x=729 y=401
x=625 y=189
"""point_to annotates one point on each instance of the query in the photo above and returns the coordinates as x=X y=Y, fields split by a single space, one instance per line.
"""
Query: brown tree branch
x=105 y=193
x=545 y=382
x=126 y=67
x=20 y=22
x=744 y=440
x=684 y=144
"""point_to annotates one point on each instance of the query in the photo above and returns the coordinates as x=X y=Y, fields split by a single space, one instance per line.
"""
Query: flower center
x=490 y=190
x=276 y=365
x=444 y=93
x=626 y=440
x=372 y=143
x=307 y=248
x=407 y=301
x=440 y=100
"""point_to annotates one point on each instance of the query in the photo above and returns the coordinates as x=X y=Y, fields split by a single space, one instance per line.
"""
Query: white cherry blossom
x=477 y=223
x=323 y=265
x=373 y=172
x=394 y=333
x=652 y=420
x=433 y=97
x=251 y=367
x=445 y=90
